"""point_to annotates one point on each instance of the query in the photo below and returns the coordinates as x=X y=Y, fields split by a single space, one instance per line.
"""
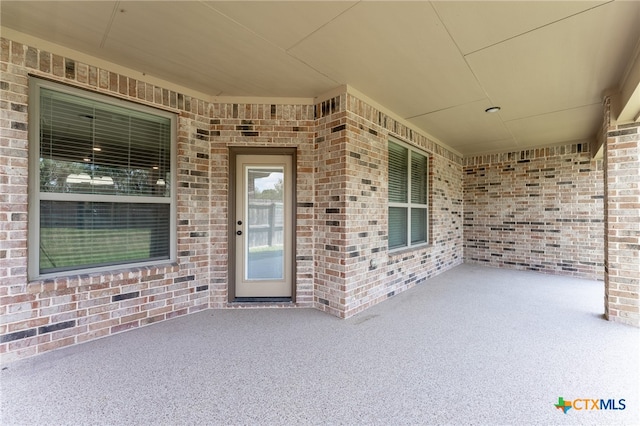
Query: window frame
x=35 y=196
x=408 y=205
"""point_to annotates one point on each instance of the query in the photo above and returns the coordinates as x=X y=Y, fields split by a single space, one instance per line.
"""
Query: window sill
x=405 y=250
x=166 y=266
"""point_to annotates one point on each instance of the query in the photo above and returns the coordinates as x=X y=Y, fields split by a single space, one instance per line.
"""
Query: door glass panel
x=265 y=223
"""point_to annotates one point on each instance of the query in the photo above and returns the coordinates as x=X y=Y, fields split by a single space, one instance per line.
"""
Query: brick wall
x=41 y=315
x=354 y=266
x=539 y=210
x=37 y=316
x=259 y=126
x=331 y=174
x=342 y=262
x=622 y=237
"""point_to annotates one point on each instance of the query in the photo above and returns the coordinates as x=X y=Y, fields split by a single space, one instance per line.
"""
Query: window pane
x=418 y=226
x=77 y=235
x=397 y=173
x=397 y=227
x=418 y=178
x=88 y=147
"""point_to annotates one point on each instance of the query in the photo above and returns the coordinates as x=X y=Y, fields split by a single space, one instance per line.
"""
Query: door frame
x=231 y=225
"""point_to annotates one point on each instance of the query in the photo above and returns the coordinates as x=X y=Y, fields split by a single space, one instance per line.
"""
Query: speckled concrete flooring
x=471 y=346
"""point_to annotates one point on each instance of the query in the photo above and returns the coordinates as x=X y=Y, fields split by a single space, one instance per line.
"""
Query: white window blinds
x=104 y=195
x=408 y=196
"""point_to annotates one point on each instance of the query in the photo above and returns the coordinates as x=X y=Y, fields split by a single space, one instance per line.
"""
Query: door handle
x=238 y=232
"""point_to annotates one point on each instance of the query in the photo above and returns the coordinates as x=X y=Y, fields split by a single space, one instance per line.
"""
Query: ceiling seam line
x=291 y=55
x=244 y=27
x=629 y=67
x=503 y=123
x=283 y=50
x=443 y=109
x=553 y=112
x=109 y=24
x=536 y=29
x=320 y=27
x=462 y=55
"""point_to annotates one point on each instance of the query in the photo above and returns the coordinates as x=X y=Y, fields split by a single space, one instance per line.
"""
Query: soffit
x=223 y=57
x=464 y=123
x=51 y=21
x=273 y=20
x=401 y=56
x=437 y=65
x=476 y=25
x=560 y=66
x=572 y=125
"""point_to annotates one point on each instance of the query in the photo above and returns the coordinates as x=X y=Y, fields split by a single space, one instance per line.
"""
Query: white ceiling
x=438 y=65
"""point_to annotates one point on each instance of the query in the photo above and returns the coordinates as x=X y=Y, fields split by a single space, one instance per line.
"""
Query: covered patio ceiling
x=437 y=65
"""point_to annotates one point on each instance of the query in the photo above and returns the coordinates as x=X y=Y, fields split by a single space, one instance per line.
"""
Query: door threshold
x=262 y=300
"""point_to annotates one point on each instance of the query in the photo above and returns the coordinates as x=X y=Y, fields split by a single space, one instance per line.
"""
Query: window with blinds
x=408 y=196
x=101 y=191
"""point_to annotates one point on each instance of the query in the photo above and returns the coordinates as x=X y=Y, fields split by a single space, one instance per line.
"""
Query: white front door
x=263 y=229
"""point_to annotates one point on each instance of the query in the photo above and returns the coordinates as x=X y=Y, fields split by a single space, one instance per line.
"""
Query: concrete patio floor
x=472 y=346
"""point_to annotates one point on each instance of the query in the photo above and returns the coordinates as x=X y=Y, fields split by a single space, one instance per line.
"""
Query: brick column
x=330 y=207
x=622 y=223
